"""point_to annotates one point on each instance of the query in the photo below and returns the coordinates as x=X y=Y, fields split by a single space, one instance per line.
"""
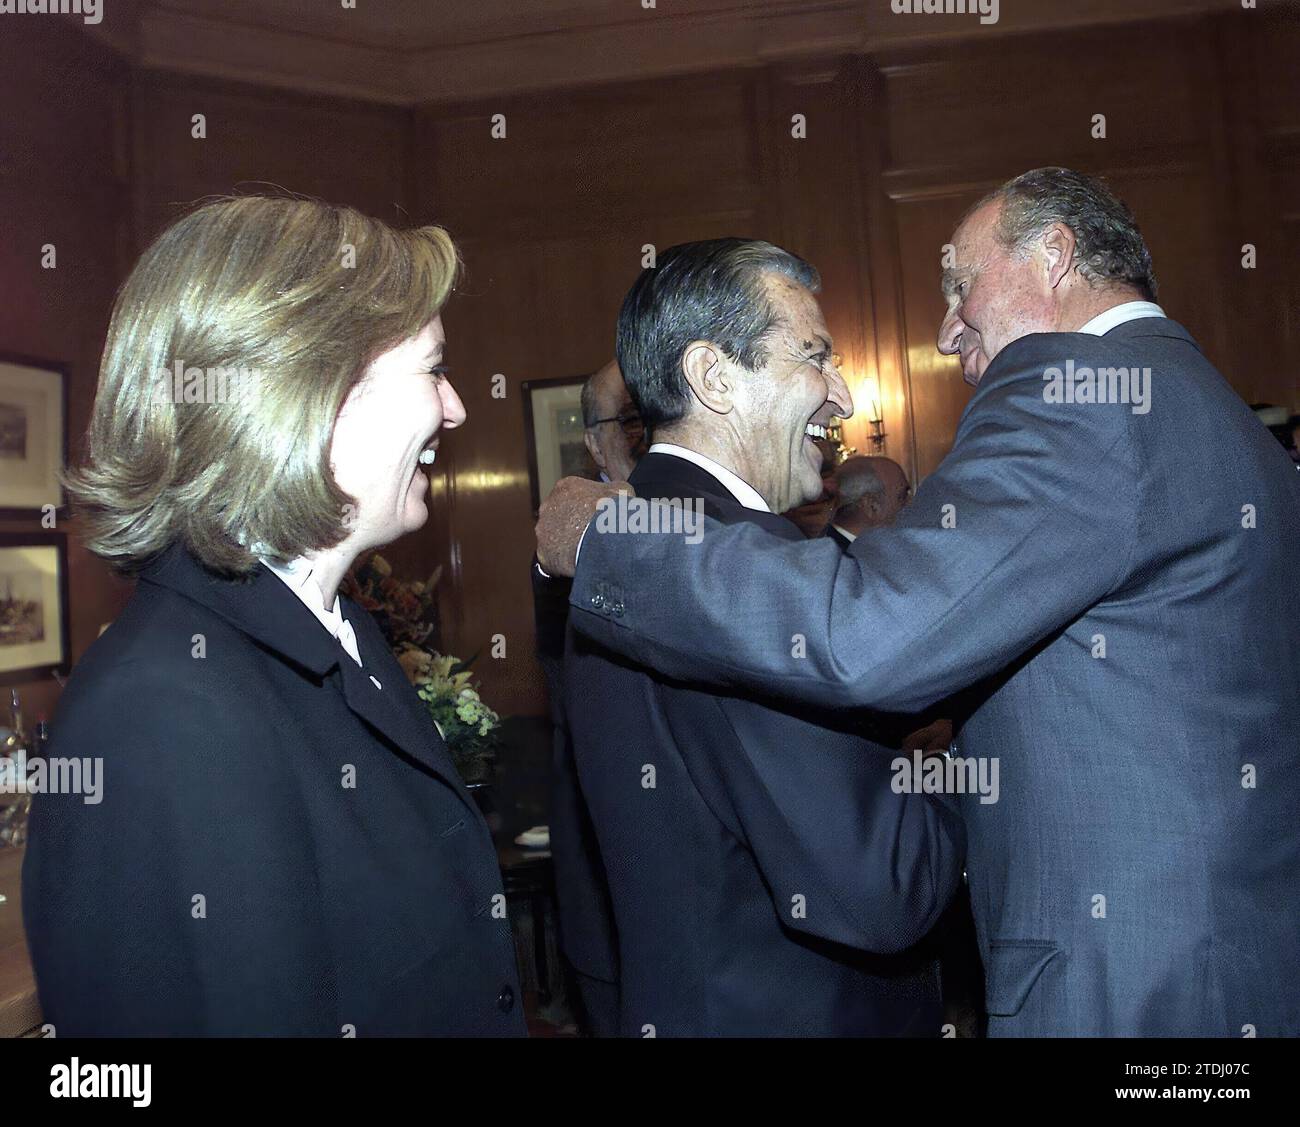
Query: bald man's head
x=872 y=491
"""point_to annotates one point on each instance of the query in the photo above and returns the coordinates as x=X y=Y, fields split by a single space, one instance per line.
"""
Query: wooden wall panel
x=63 y=180
x=1268 y=97
x=993 y=103
x=589 y=160
x=1199 y=143
x=257 y=140
x=936 y=393
x=551 y=222
x=816 y=206
x=1195 y=268
x=1282 y=361
x=1275 y=42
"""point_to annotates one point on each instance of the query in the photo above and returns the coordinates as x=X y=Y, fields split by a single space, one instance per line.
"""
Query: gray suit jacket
x=1122 y=591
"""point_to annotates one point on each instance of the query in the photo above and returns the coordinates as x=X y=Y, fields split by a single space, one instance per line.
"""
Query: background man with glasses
x=615 y=438
x=614 y=433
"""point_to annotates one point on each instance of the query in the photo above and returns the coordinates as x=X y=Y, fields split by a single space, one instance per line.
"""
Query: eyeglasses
x=632 y=425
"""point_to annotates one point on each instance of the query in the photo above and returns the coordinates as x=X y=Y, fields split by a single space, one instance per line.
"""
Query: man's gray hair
x=1109 y=248
x=713 y=291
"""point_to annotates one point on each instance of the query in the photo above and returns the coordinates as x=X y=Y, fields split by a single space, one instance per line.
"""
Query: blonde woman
x=283 y=846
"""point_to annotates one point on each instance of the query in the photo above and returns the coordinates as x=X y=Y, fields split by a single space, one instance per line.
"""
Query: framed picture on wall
x=553 y=426
x=33 y=606
x=33 y=418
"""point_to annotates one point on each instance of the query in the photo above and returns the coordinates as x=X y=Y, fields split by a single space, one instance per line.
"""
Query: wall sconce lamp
x=876 y=418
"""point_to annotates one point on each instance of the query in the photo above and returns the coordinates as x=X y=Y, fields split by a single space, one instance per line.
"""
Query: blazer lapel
x=264 y=608
x=379 y=692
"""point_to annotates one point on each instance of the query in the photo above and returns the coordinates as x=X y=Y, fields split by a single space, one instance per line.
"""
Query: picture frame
x=554 y=430
x=34 y=624
x=33 y=434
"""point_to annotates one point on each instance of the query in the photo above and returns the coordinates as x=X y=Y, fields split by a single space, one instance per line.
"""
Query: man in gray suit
x=1107 y=558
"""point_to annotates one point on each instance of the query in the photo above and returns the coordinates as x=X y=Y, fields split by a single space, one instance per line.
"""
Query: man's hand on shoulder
x=564 y=517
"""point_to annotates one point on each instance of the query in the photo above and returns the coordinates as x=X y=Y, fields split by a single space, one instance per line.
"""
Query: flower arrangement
x=406 y=611
x=407 y=614
x=469 y=726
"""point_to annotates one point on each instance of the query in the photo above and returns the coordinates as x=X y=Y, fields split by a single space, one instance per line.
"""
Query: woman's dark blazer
x=283 y=846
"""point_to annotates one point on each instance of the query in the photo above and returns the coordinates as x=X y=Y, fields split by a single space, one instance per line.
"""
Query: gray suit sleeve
x=1028 y=522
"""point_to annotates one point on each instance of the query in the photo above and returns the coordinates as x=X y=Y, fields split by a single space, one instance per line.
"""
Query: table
x=529 y=875
x=20 y=1013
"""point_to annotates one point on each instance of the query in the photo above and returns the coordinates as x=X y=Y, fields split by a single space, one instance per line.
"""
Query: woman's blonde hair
x=287 y=301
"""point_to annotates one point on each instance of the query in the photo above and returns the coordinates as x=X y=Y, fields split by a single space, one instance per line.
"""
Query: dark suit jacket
x=1125 y=587
x=769 y=855
x=586 y=920
x=346 y=877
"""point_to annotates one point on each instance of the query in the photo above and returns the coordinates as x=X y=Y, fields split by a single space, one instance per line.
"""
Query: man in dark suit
x=766 y=878
x=615 y=438
x=1108 y=552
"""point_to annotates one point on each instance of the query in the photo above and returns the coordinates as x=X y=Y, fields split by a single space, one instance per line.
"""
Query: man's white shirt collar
x=297 y=576
x=1101 y=324
x=741 y=490
x=850 y=536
